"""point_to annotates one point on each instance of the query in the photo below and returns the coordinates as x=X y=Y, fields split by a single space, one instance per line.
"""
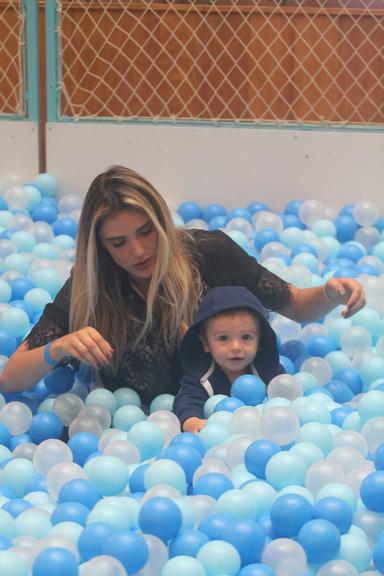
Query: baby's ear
x=204 y=342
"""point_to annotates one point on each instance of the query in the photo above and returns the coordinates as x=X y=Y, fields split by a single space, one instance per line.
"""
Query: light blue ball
x=47 y=184
x=167 y=472
x=286 y=468
x=48 y=279
x=147 y=437
x=104 y=397
x=185 y=565
x=24 y=241
x=219 y=557
x=5 y=291
x=125 y=396
x=127 y=416
x=14 y=321
x=37 y=298
x=12 y=563
x=162 y=402
x=18 y=262
x=108 y=474
x=46 y=250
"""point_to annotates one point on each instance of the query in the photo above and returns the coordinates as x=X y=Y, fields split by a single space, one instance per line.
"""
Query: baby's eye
x=247 y=337
x=222 y=338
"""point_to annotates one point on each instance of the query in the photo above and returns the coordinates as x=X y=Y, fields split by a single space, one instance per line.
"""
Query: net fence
x=12 y=22
x=259 y=61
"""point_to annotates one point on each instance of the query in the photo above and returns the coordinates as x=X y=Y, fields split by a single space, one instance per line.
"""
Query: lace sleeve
x=273 y=292
x=44 y=331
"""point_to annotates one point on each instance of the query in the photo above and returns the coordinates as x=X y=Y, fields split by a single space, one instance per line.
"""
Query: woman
x=135 y=287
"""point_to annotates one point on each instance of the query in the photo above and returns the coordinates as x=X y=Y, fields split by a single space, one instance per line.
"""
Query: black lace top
x=148 y=368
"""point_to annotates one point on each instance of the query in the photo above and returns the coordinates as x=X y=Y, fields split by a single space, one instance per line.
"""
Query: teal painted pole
x=51 y=42
x=32 y=59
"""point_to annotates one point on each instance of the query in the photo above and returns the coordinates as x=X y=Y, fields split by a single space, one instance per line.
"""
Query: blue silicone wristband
x=47 y=357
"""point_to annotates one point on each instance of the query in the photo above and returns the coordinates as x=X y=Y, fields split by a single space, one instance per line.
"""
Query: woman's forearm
x=310 y=304
x=24 y=369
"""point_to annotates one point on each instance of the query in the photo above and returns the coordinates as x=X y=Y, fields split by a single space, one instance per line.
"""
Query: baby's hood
x=221 y=299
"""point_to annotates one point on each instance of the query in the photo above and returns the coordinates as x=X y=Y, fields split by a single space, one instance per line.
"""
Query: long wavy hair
x=97 y=297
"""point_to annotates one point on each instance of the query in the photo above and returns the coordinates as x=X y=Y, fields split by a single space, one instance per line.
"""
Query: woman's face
x=131 y=239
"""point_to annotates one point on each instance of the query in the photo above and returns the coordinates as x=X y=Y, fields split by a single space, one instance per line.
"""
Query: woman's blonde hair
x=97 y=298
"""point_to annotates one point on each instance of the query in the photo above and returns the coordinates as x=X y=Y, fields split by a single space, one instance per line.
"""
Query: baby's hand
x=193 y=425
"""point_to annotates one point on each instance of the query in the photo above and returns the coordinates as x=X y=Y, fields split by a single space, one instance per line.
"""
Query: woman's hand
x=345 y=291
x=87 y=345
x=193 y=425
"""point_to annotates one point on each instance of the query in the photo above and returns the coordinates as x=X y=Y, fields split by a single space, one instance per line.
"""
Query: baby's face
x=232 y=340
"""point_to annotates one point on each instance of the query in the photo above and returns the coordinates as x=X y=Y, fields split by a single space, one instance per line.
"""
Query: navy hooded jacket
x=202 y=378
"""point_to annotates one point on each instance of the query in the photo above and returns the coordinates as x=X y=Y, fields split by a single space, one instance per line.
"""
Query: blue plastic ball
x=247 y=537
x=213 y=484
x=289 y=513
x=293 y=349
x=379 y=458
x=334 y=510
x=57 y=561
x=5 y=435
x=240 y=213
x=378 y=555
x=65 y=225
x=60 y=380
x=92 y=539
x=287 y=364
x=79 y=490
x=257 y=206
x=187 y=543
x=352 y=378
x=45 y=425
x=16 y=506
x=249 y=389
x=346 y=227
x=161 y=517
x=214 y=525
x=292 y=207
x=8 y=343
x=129 y=547
x=189 y=211
x=189 y=439
x=213 y=211
x=136 y=479
x=257 y=570
x=372 y=490
x=339 y=390
x=264 y=236
x=320 y=540
x=352 y=250
x=320 y=345
x=258 y=454
x=217 y=222
x=229 y=404
x=188 y=457
x=83 y=444
x=70 y=512
x=45 y=213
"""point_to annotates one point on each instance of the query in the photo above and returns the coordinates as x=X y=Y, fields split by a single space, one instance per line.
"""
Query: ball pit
x=283 y=481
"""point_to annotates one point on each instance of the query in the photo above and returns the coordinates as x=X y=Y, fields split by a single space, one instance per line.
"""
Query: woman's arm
x=26 y=367
x=309 y=304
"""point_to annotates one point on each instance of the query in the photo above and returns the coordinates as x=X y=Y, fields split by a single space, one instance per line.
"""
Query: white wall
x=220 y=164
x=19 y=152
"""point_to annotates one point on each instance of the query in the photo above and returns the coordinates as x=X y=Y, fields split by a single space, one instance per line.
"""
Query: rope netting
x=261 y=61
x=11 y=58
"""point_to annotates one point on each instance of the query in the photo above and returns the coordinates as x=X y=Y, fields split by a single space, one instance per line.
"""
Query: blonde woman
x=136 y=285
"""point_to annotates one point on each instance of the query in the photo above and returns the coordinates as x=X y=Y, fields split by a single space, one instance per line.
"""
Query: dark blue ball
x=338 y=415
x=44 y=212
x=20 y=286
x=258 y=454
x=57 y=561
x=83 y=445
x=189 y=211
x=213 y=484
x=346 y=227
x=65 y=225
x=256 y=206
x=92 y=538
x=16 y=506
x=229 y=405
x=339 y=390
x=379 y=457
x=8 y=343
x=352 y=378
x=189 y=439
x=247 y=537
x=60 y=380
x=214 y=525
x=188 y=457
x=336 y=511
x=45 y=425
x=217 y=222
x=289 y=513
x=187 y=543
